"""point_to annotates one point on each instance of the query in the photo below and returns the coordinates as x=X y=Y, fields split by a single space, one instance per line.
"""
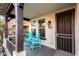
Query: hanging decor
x=49 y=25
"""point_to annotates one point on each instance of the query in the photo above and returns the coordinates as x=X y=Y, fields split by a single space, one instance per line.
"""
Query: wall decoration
x=49 y=25
x=33 y=31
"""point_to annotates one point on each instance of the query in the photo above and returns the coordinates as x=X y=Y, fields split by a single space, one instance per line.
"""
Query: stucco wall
x=13 y=22
x=77 y=30
x=50 y=33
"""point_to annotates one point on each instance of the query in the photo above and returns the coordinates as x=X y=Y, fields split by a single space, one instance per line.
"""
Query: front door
x=65 y=30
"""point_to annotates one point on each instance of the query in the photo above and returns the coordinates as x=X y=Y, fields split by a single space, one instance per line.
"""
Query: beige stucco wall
x=13 y=22
x=26 y=23
x=77 y=30
x=50 y=33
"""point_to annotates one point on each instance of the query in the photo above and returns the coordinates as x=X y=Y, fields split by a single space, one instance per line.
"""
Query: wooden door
x=65 y=31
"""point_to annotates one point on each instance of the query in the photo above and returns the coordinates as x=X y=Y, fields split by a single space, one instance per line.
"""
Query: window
x=41 y=28
x=33 y=23
x=34 y=32
x=33 y=27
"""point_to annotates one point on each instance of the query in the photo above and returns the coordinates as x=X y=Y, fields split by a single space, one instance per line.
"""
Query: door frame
x=73 y=28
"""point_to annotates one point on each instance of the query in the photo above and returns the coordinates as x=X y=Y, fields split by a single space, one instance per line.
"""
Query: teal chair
x=28 y=38
x=36 y=42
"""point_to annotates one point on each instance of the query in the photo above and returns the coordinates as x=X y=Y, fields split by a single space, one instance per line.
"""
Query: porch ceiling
x=3 y=7
x=32 y=10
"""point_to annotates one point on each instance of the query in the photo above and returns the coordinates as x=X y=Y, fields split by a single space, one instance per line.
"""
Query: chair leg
x=40 y=46
x=31 y=46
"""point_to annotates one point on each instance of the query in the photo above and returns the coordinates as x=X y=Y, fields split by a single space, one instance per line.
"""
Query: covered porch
x=46 y=51
x=19 y=16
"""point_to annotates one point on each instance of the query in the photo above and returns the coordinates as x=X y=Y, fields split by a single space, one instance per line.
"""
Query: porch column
x=5 y=33
x=77 y=30
x=19 y=27
x=6 y=27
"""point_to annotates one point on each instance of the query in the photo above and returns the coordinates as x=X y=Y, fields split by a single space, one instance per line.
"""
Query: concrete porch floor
x=45 y=51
